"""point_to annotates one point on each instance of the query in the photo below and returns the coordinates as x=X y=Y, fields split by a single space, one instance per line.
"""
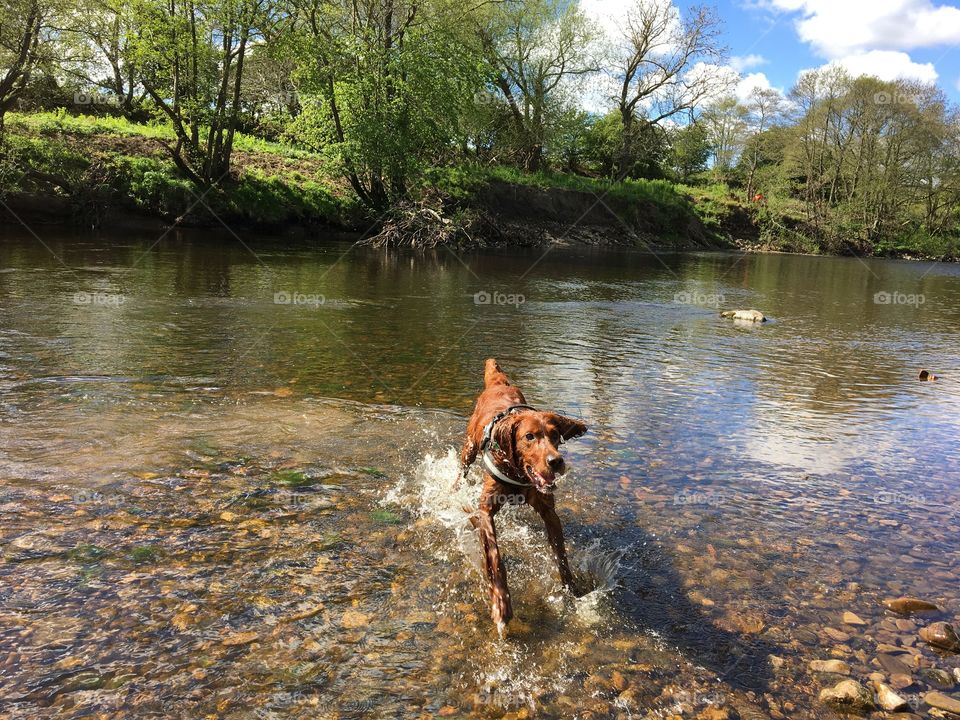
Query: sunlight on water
x=211 y=505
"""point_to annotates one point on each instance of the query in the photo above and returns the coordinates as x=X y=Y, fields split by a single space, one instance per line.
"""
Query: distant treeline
x=385 y=90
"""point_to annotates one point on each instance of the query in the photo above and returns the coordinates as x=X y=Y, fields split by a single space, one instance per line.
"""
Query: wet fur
x=539 y=461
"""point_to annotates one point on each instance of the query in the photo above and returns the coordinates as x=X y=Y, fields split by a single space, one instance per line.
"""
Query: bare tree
x=655 y=66
x=726 y=123
x=765 y=107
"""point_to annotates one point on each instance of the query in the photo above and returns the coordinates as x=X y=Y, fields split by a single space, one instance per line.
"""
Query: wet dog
x=519 y=450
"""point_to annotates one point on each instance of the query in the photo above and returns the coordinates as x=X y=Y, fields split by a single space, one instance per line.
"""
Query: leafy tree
x=689 y=151
x=26 y=41
x=191 y=58
x=388 y=81
x=537 y=49
x=764 y=108
x=99 y=37
x=725 y=123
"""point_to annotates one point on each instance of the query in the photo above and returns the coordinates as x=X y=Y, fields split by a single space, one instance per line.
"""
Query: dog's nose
x=555 y=462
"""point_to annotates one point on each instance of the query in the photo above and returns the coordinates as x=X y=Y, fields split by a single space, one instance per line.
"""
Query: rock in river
x=942 y=702
x=848 y=696
x=909 y=605
x=889 y=700
x=749 y=315
x=941 y=635
x=837 y=667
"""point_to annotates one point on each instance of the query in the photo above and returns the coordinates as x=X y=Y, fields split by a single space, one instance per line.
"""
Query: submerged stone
x=941 y=635
x=848 y=696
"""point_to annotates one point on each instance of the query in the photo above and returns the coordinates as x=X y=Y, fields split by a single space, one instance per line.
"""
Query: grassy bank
x=101 y=165
x=97 y=167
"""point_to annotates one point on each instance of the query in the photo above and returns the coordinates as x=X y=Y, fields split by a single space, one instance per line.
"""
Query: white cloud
x=886 y=65
x=608 y=14
x=748 y=83
x=843 y=28
x=742 y=63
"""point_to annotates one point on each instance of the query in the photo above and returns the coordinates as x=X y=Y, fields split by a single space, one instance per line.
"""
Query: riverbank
x=109 y=173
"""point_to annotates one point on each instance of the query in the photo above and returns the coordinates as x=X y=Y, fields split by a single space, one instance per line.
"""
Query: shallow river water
x=226 y=469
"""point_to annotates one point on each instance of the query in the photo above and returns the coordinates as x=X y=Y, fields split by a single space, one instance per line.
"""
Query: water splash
x=430 y=492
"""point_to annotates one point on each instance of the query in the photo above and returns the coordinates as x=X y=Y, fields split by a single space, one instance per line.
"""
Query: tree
x=654 y=66
x=191 y=56
x=764 y=108
x=101 y=36
x=725 y=124
x=536 y=49
x=388 y=81
x=689 y=151
x=24 y=43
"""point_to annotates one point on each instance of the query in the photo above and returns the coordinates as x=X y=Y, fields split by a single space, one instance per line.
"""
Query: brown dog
x=519 y=448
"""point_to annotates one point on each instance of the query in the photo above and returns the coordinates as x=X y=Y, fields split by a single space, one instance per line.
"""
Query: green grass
x=273 y=185
x=658 y=207
x=59 y=121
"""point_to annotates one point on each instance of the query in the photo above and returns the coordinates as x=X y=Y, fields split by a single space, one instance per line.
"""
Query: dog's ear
x=505 y=436
x=568 y=427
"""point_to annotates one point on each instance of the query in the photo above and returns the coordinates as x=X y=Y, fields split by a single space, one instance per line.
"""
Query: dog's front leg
x=468 y=453
x=501 y=609
x=555 y=536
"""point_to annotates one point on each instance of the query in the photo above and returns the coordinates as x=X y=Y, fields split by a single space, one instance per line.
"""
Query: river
x=226 y=469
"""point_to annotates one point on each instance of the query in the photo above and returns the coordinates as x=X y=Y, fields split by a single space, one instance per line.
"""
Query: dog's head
x=530 y=441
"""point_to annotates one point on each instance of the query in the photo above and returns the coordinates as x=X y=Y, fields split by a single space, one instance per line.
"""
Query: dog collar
x=488 y=460
x=491 y=465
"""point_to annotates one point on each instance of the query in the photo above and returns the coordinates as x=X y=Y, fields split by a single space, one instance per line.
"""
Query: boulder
x=748 y=315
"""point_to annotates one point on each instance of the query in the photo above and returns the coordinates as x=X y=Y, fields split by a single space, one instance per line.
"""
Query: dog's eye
x=530 y=437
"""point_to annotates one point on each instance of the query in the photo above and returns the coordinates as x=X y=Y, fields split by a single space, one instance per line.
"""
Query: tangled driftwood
x=425 y=223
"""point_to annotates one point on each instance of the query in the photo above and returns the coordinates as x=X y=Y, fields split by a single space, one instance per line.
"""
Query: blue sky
x=771 y=41
x=891 y=38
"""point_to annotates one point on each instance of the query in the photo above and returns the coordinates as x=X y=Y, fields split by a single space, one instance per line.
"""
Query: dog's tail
x=492 y=374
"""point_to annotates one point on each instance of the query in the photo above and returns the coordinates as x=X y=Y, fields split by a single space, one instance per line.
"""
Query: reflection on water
x=225 y=480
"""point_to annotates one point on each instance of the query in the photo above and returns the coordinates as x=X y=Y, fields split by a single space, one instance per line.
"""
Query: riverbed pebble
x=837 y=667
x=848 y=696
x=942 y=702
x=889 y=700
x=909 y=605
x=941 y=635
